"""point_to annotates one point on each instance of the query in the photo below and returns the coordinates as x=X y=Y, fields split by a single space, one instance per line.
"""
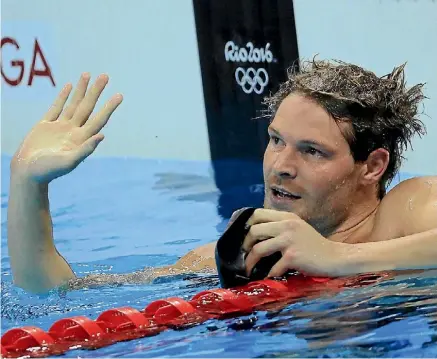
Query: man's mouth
x=281 y=193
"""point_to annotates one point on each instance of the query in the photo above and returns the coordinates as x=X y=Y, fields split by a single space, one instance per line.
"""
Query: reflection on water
x=354 y=321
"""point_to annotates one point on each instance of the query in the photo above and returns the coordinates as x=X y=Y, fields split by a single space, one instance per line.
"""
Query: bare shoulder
x=410 y=207
x=199 y=259
x=414 y=191
x=207 y=250
x=421 y=184
x=203 y=257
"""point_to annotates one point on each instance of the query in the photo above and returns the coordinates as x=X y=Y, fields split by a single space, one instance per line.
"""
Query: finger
x=86 y=149
x=57 y=107
x=94 y=125
x=262 y=231
x=262 y=215
x=264 y=249
x=78 y=95
x=281 y=267
x=88 y=103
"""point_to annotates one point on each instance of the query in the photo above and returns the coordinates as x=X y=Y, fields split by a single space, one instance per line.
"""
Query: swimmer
x=337 y=134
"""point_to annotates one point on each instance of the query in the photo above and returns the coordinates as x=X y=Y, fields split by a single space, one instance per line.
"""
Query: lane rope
x=127 y=323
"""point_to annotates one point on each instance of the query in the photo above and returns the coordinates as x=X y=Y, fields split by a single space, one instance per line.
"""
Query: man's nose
x=285 y=165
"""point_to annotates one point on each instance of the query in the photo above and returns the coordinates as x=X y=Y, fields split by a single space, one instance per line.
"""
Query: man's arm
x=56 y=145
x=36 y=264
x=38 y=267
x=199 y=260
x=64 y=137
x=412 y=207
x=416 y=251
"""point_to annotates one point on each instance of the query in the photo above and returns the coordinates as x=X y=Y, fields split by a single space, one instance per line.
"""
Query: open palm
x=66 y=135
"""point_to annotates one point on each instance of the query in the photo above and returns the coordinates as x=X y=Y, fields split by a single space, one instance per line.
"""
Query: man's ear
x=375 y=166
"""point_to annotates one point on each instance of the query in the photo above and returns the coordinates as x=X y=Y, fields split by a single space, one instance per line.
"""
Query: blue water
x=121 y=215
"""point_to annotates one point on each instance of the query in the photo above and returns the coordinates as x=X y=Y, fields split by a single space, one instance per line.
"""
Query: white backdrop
x=149 y=49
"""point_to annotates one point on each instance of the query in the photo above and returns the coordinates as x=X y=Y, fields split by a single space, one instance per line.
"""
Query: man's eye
x=275 y=139
x=313 y=152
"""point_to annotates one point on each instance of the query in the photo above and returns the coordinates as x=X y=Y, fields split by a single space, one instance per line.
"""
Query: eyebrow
x=270 y=128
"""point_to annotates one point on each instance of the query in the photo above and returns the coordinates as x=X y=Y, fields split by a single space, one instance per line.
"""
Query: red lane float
x=126 y=323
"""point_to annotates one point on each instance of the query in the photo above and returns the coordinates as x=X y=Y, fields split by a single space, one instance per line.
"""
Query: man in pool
x=337 y=133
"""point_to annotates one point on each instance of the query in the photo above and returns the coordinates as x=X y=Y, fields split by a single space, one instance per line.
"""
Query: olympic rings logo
x=252 y=80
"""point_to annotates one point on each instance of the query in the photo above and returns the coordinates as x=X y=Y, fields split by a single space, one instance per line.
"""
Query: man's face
x=308 y=167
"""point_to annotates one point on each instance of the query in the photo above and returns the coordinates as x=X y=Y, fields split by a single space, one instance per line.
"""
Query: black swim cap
x=230 y=256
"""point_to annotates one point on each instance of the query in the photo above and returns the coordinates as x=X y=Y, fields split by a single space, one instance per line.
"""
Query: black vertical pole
x=245 y=49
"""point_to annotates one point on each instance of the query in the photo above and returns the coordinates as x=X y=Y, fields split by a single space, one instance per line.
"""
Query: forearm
x=417 y=251
x=35 y=263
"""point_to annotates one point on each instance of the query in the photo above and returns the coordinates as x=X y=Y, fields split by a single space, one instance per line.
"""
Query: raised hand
x=66 y=135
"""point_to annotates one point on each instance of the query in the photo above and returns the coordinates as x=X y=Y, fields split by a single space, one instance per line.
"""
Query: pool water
x=121 y=215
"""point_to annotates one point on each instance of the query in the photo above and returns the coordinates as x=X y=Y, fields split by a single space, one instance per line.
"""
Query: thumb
x=87 y=148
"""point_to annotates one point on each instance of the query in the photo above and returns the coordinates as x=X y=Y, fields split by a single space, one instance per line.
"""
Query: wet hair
x=383 y=112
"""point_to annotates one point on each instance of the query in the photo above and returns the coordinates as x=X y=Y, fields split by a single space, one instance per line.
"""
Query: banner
x=245 y=49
